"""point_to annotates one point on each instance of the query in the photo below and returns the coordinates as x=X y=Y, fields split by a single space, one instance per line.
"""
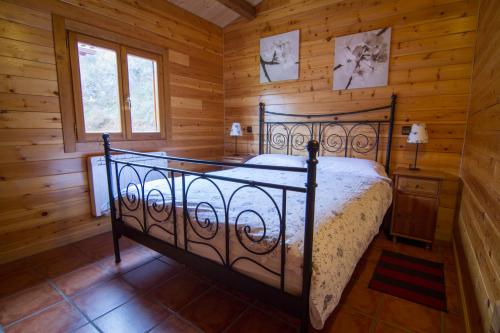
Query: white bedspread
x=351 y=199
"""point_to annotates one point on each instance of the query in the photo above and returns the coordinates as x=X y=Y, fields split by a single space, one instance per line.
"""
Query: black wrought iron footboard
x=150 y=207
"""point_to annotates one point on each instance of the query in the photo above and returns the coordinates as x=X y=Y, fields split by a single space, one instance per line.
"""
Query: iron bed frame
x=281 y=136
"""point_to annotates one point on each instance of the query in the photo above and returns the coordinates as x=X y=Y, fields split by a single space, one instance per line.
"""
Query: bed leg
x=112 y=208
x=116 y=245
x=304 y=324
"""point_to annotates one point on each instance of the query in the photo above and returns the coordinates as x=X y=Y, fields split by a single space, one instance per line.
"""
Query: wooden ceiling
x=219 y=12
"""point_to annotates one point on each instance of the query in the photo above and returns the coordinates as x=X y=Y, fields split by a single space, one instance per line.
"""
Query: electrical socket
x=405 y=130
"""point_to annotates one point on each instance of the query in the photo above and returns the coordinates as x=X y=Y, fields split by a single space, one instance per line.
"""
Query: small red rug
x=414 y=279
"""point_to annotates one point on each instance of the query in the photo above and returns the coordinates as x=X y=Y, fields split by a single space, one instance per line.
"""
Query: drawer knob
x=417 y=186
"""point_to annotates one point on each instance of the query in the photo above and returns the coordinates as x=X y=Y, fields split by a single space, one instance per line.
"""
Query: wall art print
x=279 y=57
x=362 y=60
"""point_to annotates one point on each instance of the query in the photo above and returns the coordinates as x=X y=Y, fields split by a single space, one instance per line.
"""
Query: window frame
x=122 y=51
x=125 y=51
x=62 y=28
x=81 y=134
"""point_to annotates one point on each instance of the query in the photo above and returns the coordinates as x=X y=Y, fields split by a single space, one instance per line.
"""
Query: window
x=117 y=89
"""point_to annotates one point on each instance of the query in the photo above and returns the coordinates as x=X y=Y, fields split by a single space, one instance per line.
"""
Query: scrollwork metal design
x=246 y=230
x=361 y=143
x=298 y=139
x=277 y=139
x=209 y=226
x=132 y=190
x=159 y=208
x=333 y=142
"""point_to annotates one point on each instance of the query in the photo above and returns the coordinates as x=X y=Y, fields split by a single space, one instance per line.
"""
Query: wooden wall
x=44 y=200
x=430 y=70
x=479 y=221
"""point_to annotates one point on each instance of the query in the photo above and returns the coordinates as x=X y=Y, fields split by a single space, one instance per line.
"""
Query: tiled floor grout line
x=249 y=302
x=178 y=311
x=235 y=320
x=70 y=301
x=139 y=293
x=376 y=316
x=253 y=305
x=37 y=312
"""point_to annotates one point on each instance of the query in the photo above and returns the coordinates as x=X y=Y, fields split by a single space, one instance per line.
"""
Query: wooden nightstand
x=416 y=203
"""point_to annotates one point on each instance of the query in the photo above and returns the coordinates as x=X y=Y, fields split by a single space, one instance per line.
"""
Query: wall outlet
x=249 y=129
x=405 y=130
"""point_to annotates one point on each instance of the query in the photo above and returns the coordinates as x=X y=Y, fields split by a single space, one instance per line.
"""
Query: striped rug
x=417 y=280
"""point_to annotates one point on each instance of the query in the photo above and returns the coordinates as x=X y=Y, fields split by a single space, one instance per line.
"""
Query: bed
x=256 y=226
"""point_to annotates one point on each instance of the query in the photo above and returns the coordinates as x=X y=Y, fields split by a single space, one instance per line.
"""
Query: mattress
x=352 y=198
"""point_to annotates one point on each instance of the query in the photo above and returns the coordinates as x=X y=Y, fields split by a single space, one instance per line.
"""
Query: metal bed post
x=112 y=208
x=261 y=126
x=312 y=161
x=391 y=127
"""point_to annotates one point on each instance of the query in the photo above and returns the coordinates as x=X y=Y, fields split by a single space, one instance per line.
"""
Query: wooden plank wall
x=479 y=220
x=430 y=70
x=44 y=200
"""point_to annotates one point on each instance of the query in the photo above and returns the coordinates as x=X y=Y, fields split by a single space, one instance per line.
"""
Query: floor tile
x=277 y=313
x=362 y=299
x=452 y=300
x=23 y=303
x=173 y=324
x=179 y=290
x=107 y=292
x=388 y=328
x=16 y=281
x=213 y=311
x=82 y=278
x=19 y=266
x=364 y=272
x=413 y=316
x=450 y=278
x=150 y=275
x=453 y=324
x=139 y=315
x=61 y=260
x=256 y=321
x=89 y=328
x=246 y=297
x=131 y=258
x=100 y=299
x=171 y=262
x=97 y=247
x=55 y=253
x=61 y=317
x=344 y=321
x=372 y=254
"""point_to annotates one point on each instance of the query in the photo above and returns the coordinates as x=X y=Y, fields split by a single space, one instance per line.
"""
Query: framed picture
x=362 y=60
x=279 y=57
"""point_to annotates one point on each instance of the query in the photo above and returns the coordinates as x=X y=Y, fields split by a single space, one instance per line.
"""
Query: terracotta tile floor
x=79 y=288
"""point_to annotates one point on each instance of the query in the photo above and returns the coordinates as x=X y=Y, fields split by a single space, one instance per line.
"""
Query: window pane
x=99 y=80
x=143 y=86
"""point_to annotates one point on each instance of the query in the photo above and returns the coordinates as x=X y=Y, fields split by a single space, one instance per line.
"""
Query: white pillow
x=279 y=160
x=352 y=165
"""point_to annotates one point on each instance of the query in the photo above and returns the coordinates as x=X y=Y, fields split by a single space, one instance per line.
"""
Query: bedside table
x=416 y=203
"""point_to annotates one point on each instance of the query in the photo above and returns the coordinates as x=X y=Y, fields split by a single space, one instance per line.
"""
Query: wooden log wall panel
x=432 y=51
x=44 y=199
x=479 y=222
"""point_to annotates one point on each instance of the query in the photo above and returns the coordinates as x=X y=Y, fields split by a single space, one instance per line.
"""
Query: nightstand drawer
x=418 y=186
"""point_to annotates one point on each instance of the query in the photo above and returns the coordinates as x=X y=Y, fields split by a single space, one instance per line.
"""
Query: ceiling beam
x=241 y=7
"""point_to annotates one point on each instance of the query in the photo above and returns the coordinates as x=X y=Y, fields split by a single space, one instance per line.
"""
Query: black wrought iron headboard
x=348 y=138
